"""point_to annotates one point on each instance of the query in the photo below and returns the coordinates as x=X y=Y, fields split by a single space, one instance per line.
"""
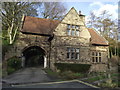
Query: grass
x=68 y=75
x=78 y=74
x=92 y=79
x=95 y=78
x=104 y=83
x=115 y=75
x=50 y=72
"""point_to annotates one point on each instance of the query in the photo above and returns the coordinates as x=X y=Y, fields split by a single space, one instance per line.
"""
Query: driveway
x=35 y=77
x=27 y=75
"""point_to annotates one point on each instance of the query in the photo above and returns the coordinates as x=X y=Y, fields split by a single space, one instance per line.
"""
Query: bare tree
x=92 y=20
x=12 y=15
x=53 y=10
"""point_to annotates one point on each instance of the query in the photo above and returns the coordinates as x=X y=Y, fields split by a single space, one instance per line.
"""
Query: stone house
x=65 y=41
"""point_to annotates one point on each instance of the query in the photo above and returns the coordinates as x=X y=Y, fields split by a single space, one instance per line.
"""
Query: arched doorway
x=34 y=56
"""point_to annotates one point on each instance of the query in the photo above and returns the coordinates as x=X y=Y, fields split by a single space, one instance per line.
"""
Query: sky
x=97 y=7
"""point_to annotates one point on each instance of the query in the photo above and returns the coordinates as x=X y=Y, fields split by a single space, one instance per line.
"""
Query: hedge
x=13 y=64
x=73 y=67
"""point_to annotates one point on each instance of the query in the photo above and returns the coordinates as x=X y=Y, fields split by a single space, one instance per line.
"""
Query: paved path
x=28 y=75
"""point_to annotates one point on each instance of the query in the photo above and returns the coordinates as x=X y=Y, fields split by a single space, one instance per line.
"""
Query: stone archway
x=34 y=56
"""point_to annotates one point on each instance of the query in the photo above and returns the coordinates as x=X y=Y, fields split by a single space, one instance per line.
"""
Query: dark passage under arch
x=34 y=56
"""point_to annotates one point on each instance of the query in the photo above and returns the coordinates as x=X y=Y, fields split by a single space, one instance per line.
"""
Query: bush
x=68 y=75
x=10 y=70
x=50 y=72
x=83 y=68
x=13 y=64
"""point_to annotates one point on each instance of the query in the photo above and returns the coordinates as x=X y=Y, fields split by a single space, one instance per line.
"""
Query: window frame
x=73 y=54
x=96 y=57
x=74 y=30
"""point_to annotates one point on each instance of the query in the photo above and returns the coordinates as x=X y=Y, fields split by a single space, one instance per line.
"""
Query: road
x=61 y=84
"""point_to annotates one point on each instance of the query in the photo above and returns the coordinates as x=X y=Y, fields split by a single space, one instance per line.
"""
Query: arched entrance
x=34 y=56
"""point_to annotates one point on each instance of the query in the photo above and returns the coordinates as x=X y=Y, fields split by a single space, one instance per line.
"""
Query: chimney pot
x=79 y=12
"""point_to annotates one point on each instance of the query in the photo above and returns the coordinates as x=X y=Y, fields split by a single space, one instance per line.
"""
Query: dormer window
x=73 y=30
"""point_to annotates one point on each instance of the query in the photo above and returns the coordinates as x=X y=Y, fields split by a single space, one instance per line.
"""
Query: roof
x=47 y=26
x=39 y=25
x=96 y=38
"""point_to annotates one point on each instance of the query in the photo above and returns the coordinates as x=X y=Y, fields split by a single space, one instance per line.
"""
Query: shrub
x=13 y=64
x=67 y=75
x=50 y=72
x=73 y=67
x=79 y=75
x=10 y=70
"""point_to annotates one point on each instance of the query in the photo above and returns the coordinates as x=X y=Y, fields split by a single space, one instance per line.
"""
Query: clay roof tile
x=96 y=38
x=39 y=25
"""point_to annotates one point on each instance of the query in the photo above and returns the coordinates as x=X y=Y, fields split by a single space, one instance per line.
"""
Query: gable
x=72 y=17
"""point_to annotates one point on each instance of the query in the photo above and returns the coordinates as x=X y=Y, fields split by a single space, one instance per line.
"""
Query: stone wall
x=104 y=52
x=25 y=41
x=99 y=67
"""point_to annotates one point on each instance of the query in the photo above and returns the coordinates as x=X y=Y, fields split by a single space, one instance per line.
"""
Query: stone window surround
x=73 y=30
x=73 y=53
x=96 y=57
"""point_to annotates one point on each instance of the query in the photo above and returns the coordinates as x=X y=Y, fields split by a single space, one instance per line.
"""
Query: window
x=72 y=30
x=73 y=53
x=73 y=26
x=77 y=27
x=96 y=57
x=68 y=53
x=73 y=33
x=77 y=53
x=69 y=32
x=77 y=32
x=68 y=26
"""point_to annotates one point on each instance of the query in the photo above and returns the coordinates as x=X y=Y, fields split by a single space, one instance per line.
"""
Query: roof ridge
x=42 y=18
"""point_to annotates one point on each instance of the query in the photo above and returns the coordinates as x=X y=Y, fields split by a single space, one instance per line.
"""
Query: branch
x=15 y=34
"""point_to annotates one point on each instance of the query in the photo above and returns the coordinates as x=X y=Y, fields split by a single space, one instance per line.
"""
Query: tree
x=103 y=23
x=92 y=20
x=11 y=17
x=107 y=28
x=53 y=10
